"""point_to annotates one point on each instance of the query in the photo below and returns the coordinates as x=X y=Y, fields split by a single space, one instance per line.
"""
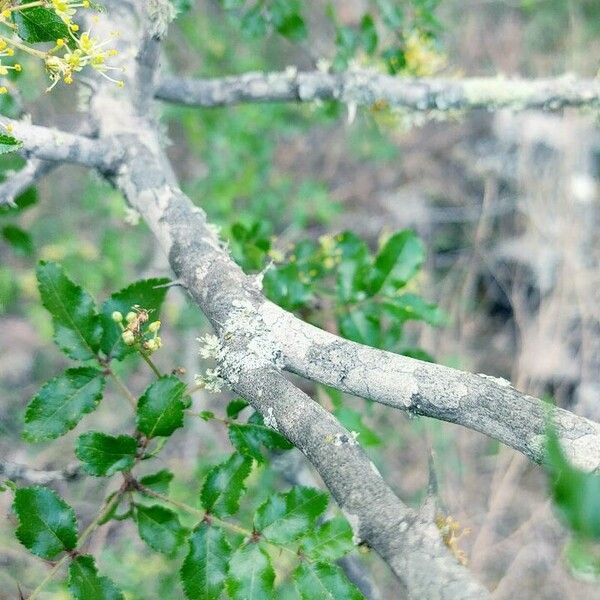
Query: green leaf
x=352 y=421
x=85 y=583
x=354 y=268
x=292 y=27
x=103 y=455
x=361 y=324
x=159 y=527
x=145 y=293
x=368 y=34
x=39 y=25
x=224 y=485
x=47 y=524
x=330 y=542
x=251 y=575
x=159 y=481
x=576 y=493
x=8 y=143
x=77 y=329
x=205 y=567
x=284 y=517
x=397 y=262
x=285 y=286
x=412 y=307
x=62 y=402
x=249 y=438
x=235 y=407
x=324 y=581
x=19 y=239
x=160 y=409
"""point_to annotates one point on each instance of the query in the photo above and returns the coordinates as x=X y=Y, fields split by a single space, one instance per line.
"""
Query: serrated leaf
x=235 y=407
x=249 y=438
x=205 y=567
x=47 y=524
x=159 y=481
x=330 y=542
x=103 y=455
x=145 y=293
x=251 y=575
x=284 y=517
x=224 y=485
x=39 y=24
x=77 y=329
x=160 y=409
x=85 y=583
x=62 y=402
x=8 y=143
x=324 y=581
x=160 y=528
x=19 y=239
x=397 y=262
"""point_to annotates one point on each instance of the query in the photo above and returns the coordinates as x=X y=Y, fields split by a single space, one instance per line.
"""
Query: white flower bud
x=131 y=316
x=128 y=337
x=154 y=326
x=117 y=317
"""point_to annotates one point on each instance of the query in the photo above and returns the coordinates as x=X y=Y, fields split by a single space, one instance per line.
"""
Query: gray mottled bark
x=53 y=145
x=373 y=88
x=11 y=470
x=259 y=339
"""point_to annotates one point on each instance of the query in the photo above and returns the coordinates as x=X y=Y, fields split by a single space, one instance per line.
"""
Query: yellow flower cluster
x=70 y=54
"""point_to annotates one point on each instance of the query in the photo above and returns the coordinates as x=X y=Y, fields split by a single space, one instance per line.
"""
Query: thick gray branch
x=408 y=540
x=371 y=88
x=482 y=403
x=53 y=145
x=18 y=181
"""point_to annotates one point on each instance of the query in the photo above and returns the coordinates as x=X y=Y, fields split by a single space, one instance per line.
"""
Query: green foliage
x=8 y=143
x=160 y=528
x=285 y=517
x=149 y=293
x=256 y=19
x=330 y=541
x=159 y=481
x=576 y=493
x=251 y=575
x=160 y=409
x=249 y=438
x=85 y=583
x=19 y=239
x=322 y=580
x=62 y=402
x=77 y=329
x=205 y=567
x=103 y=455
x=39 y=24
x=371 y=303
x=47 y=524
x=224 y=485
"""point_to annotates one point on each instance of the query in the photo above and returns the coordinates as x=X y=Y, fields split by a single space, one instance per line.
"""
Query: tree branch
x=19 y=181
x=53 y=145
x=375 y=89
x=11 y=470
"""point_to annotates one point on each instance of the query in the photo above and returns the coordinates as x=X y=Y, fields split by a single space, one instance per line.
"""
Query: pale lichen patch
x=354 y=521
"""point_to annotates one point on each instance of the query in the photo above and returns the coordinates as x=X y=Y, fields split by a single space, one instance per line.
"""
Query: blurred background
x=508 y=205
